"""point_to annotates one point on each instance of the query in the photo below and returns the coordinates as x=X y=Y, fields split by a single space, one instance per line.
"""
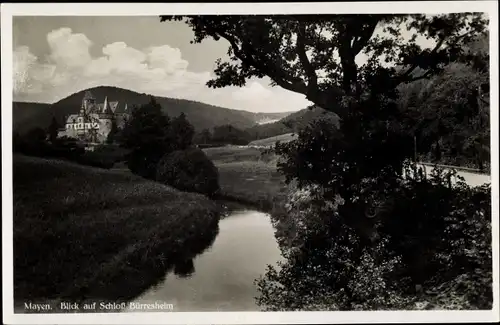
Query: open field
x=272 y=140
x=248 y=175
x=229 y=154
x=84 y=233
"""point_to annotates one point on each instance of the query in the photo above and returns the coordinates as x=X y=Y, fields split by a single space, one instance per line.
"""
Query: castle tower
x=105 y=106
x=88 y=103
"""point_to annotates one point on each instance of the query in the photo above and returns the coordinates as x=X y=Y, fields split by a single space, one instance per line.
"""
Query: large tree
x=203 y=137
x=315 y=55
x=53 y=129
x=353 y=174
x=148 y=135
x=182 y=132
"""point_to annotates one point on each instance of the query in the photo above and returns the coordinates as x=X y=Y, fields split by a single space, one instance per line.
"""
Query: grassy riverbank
x=85 y=233
x=249 y=175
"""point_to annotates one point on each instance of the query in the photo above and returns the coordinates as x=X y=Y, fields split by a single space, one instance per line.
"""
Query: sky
x=55 y=57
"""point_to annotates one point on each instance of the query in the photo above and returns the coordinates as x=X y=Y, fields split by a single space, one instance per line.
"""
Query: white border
x=137 y=9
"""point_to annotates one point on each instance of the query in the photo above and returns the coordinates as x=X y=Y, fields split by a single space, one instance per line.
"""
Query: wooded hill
x=29 y=115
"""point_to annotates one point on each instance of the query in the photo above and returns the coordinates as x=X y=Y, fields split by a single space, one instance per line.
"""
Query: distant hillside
x=28 y=115
x=201 y=115
x=291 y=123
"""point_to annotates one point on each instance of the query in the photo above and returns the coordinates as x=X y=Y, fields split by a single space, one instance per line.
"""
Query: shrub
x=189 y=170
x=429 y=248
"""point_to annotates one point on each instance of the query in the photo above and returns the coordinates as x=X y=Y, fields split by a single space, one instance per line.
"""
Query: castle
x=93 y=123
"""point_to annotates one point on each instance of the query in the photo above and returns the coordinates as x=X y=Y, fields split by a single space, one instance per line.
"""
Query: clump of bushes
x=428 y=249
x=35 y=143
x=103 y=156
x=189 y=170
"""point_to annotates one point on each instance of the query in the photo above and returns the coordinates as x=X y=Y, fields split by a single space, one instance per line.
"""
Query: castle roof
x=122 y=109
x=107 y=107
x=113 y=106
x=110 y=108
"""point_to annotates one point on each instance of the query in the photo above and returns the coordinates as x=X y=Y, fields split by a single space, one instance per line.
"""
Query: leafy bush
x=428 y=247
x=70 y=149
x=364 y=231
x=34 y=143
x=189 y=170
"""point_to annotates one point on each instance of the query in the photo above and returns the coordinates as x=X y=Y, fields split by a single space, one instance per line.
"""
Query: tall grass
x=85 y=233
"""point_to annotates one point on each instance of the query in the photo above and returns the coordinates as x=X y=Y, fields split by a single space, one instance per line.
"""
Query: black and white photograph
x=250 y=163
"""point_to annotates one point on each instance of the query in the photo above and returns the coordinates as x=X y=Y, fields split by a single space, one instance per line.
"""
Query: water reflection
x=222 y=277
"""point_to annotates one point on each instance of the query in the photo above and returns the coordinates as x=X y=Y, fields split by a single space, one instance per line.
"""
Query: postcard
x=250 y=163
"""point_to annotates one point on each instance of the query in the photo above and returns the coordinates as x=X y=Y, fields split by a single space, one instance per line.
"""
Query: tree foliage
x=182 y=132
x=189 y=170
x=429 y=249
x=148 y=136
x=203 y=137
x=449 y=113
x=228 y=134
x=53 y=130
x=151 y=135
x=315 y=55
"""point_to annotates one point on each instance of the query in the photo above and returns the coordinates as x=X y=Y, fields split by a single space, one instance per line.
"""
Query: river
x=222 y=277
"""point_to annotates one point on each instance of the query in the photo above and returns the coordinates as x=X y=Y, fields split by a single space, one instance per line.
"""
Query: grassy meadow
x=249 y=175
x=82 y=233
x=272 y=140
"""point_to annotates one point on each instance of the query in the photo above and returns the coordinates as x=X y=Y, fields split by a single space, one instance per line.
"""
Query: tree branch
x=364 y=37
x=426 y=75
x=486 y=101
x=281 y=78
x=309 y=70
x=404 y=76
